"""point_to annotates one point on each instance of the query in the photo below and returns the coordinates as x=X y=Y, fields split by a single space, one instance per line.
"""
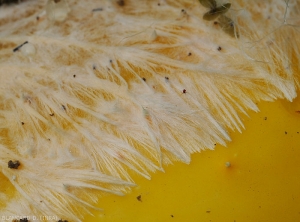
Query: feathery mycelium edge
x=101 y=90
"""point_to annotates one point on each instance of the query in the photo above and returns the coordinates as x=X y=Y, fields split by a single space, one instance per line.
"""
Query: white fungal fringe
x=102 y=89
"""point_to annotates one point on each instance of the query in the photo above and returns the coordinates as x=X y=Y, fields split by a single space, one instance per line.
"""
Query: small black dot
x=285 y=132
x=74 y=76
x=166 y=77
x=189 y=54
x=158 y=4
x=219 y=48
x=172 y=215
x=51 y=114
x=184 y=90
x=216 y=23
x=144 y=79
x=110 y=61
x=22 y=123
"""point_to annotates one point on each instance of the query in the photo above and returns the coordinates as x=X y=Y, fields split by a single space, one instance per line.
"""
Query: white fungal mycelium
x=104 y=89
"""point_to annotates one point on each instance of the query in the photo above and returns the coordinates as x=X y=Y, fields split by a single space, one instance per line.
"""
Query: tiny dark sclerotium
x=13 y=164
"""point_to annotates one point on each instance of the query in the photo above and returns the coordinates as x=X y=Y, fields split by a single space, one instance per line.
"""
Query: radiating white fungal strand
x=153 y=36
x=103 y=95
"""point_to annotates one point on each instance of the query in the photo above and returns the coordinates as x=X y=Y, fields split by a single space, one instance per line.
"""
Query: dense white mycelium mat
x=92 y=91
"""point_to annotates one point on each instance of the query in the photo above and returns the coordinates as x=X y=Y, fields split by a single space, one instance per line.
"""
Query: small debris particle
x=97 y=9
x=208 y=211
x=189 y=54
x=285 y=132
x=62 y=220
x=28 y=50
x=13 y=164
x=110 y=61
x=121 y=2
x=144 y=79
x=64 y=108
x=139 y=198
x=172 y=215
x=74 y=76
x=18 y=47
x=37 y=18
x=216 y=23
x=94 y=67
x=56 y=1
x=228 y=164
x=166 y=78
x=24 y=220
x=219 y=48
x=228 y=26
x=22 y=123
x=51 y=114
x=265 y=118
x=184 y=90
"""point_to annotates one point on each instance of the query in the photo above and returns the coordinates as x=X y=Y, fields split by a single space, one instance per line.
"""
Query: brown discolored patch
x=72 y=55
x=6 y=45
x=121 y=2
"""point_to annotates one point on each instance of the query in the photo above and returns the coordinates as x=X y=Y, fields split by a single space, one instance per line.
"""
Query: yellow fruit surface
x=261 y=184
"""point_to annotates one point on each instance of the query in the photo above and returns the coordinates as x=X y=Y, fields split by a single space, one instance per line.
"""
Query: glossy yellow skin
x=262 y=183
